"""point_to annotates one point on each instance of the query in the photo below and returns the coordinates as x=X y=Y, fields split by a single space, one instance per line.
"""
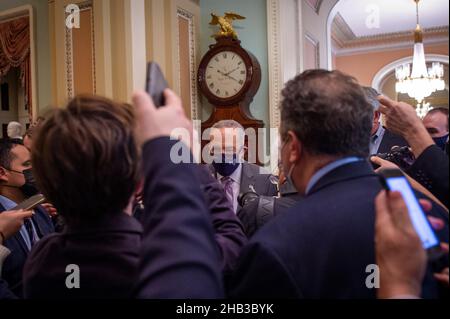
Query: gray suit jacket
x=252 y=176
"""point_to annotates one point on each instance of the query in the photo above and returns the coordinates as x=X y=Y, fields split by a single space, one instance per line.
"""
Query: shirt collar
x=378 y=133
x=328 y=168
x=236 y=176
x=7 y=203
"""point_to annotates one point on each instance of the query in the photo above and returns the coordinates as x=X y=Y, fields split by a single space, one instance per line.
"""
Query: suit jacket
x=175 y=258
x=179 y=258
x=229 y=232
x=390 y=140
x=106 y=252
x=321 y=247
x=5 y=293
x=251 y=176
x=14 y=264
x=431 y=169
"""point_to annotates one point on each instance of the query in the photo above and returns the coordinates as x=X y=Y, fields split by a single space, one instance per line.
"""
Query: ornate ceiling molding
x=345 y=41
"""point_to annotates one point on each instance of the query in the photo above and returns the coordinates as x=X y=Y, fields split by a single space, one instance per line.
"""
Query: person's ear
x=377 y=116
x=3 y=175
x=295 y=148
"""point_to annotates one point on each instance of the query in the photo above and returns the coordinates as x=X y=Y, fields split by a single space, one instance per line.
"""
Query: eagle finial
x=226 y=24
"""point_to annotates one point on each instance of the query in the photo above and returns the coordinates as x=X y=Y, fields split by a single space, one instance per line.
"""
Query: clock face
x=226 y=74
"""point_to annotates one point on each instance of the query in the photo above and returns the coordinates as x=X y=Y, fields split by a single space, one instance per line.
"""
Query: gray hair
x=231 y=125
x=372 y=97
x=328 y=112
x=14 y=130
x=228 y=124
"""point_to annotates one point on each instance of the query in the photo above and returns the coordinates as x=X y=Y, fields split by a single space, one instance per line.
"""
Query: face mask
x=441 y=141
x=29 y=187
x=290 y=171
x=225 y=165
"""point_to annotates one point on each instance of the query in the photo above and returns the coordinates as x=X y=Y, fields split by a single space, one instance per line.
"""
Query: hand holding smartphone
x=394 y=180
x=156 y=84
x=30 y=203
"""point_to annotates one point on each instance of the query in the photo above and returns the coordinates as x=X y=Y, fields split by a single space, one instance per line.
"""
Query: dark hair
x=442 y=110
x=85 y=159
x=328 y=112
x=6 y=147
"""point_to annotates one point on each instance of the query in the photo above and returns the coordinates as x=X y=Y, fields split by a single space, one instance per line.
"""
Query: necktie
x=227 y=183
x=29 y=228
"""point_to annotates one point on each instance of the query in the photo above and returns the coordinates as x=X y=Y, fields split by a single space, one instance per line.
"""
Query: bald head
x=14 y=130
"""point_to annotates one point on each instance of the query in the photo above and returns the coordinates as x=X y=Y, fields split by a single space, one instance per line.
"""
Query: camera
x=245 y=198
x=401 y=156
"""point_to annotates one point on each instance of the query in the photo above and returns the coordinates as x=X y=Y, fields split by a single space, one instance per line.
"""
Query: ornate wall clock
x=229 y=77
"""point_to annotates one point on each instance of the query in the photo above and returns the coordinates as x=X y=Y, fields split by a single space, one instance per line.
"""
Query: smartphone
x=30 y=203
x=394 y=180
x=156 y=84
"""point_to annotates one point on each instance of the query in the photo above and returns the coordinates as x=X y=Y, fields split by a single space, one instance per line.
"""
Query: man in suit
x=228 y=230
x=16 y=185
x=436 y=123
x=322 y=246
x=382 y=140
x=431 y=168
x=10 y=224
x=172 y=255
x=228 y=165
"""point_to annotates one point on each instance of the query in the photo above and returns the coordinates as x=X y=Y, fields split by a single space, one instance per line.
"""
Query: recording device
x=156 y=84
x=394 y=180
x=245 y=198
x=30 y=203
x=401 y=156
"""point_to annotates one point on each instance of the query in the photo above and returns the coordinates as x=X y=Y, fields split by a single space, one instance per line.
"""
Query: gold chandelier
x=421 y=82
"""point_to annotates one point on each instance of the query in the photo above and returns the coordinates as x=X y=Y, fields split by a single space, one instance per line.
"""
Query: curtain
x=15 y=52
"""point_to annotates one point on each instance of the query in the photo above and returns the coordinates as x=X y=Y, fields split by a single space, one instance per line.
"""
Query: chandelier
x=421 y=82
x=423 y=108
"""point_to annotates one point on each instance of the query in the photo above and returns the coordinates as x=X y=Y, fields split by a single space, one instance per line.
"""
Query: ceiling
x=394 y=15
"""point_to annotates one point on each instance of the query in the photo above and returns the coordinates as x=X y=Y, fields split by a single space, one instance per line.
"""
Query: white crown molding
x=381 y=74
x=384 y=47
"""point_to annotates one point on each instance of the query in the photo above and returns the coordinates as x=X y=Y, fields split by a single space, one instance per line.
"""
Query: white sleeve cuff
x=4 y=252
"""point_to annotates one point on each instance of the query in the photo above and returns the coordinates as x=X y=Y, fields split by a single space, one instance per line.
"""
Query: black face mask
x=441 y=141
x=29 y=188
x=226 y=166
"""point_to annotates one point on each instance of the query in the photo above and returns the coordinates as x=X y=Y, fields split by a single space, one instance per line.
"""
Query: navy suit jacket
x=431 y=169
x=177 y=256
x=180 y=257
x=107 y=253
x=14 y=264
x=321 y=247
x=390 y=140
x=229 y=231
x=5 y=293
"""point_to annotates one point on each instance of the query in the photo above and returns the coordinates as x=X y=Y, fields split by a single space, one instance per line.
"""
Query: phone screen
x=418 y=217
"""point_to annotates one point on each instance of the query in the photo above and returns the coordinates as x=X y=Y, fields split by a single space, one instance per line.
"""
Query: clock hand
x=233 y=71
x=224 y=74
